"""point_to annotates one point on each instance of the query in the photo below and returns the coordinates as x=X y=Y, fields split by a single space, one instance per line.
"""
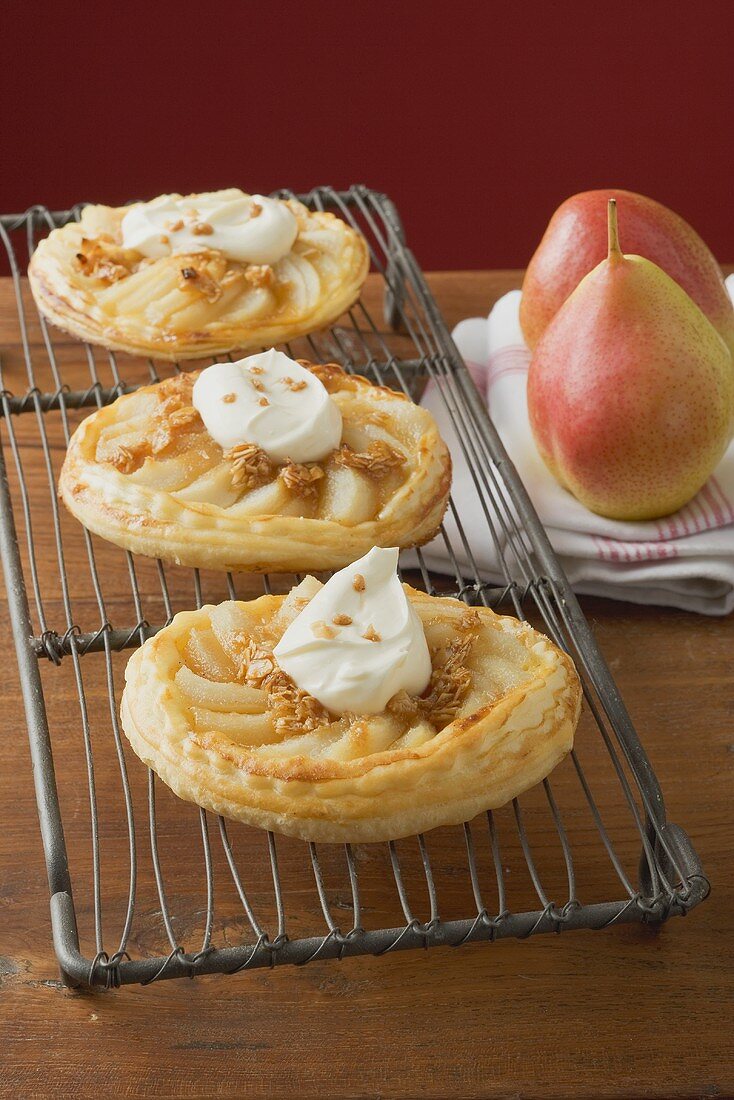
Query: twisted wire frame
x=614 y=799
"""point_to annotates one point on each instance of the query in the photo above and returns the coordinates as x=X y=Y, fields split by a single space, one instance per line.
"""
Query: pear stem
x=615 y=252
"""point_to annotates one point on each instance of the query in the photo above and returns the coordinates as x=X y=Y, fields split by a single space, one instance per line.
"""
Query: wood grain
x=626 y=1012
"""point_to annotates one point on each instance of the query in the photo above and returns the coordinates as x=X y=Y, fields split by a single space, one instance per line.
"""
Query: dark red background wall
x=477 y=118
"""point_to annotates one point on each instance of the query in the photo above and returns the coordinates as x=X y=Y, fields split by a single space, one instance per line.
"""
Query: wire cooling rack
x=162 y=889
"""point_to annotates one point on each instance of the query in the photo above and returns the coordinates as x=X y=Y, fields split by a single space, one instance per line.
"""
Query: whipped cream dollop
x=251 y=229
x=270 y=400
x=358 y=641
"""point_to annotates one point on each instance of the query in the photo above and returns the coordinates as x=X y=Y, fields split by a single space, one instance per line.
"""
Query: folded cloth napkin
x=685 y=560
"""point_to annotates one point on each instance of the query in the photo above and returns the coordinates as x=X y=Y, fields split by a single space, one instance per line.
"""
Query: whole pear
x=631 y=390
x=576 y=241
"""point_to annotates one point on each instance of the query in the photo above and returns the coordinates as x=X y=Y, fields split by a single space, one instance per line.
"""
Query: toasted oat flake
x=469 y=620
x=371 y=634
x=302 y=479
x=255 y=209
x=292 y=711
x=175 y=393
x=378 y=460
x=342 y=620
x=183 y=417
x=449 y=684
x=101 y=258
x=320 y=629
x=127 y=459
x=293 y=384
x=256 y=664
x=250 y=466
x=232 y=275
x=199 y=279
x=202 y=229
x=110 y=271
x=172 y=417
x=229 y=398
x=260 y=275
x=263 y=401
x=358 y=582
x=403 y=706
x=174 y=227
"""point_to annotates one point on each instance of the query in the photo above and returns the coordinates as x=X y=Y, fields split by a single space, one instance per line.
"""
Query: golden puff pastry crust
x=145 y=474
x=187 y=306
x=206 y=707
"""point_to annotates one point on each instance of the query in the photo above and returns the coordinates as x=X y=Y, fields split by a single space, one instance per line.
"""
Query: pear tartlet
x=145 y=474
x=208 y=709
x=196 y=300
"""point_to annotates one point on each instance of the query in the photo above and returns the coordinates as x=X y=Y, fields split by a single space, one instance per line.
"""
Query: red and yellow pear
x=576 y=241
x=631 y=390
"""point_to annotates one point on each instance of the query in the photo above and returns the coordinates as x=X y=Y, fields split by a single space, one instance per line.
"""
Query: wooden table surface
x=625 y=1012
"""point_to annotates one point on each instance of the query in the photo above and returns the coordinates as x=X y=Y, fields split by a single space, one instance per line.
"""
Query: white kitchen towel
x=685 y=560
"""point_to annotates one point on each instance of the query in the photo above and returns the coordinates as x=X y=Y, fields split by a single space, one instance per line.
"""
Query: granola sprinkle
x=229 y=398
x=320 y=629
x=111 y=272
x=378 y=460
x=202 y=229
x=184 y=417
x=358 y=582
x=293 y=711
x=449 y=684
x=372 y=635
x=256 y=665
x=127 y=459
x=199 y=279
x=260 y=275
x=203 y=273
x=174 y=416
x=403 y=706
x=302 y=479
x=251 y=466
x=342 y=620
x=293 y=384
x=100 y=258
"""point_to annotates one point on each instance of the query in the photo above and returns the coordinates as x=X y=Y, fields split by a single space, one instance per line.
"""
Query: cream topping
x=250 y=229
x=358 y=641
x=269 y=400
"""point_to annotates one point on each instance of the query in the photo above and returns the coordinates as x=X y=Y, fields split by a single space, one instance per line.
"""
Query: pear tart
x=196 y=304
x=145 y=474
x=208 y=709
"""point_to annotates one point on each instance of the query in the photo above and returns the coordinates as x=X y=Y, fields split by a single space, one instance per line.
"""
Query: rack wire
x=162 y=889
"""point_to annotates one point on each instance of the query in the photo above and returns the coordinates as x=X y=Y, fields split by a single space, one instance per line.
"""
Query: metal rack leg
x=395 y=275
